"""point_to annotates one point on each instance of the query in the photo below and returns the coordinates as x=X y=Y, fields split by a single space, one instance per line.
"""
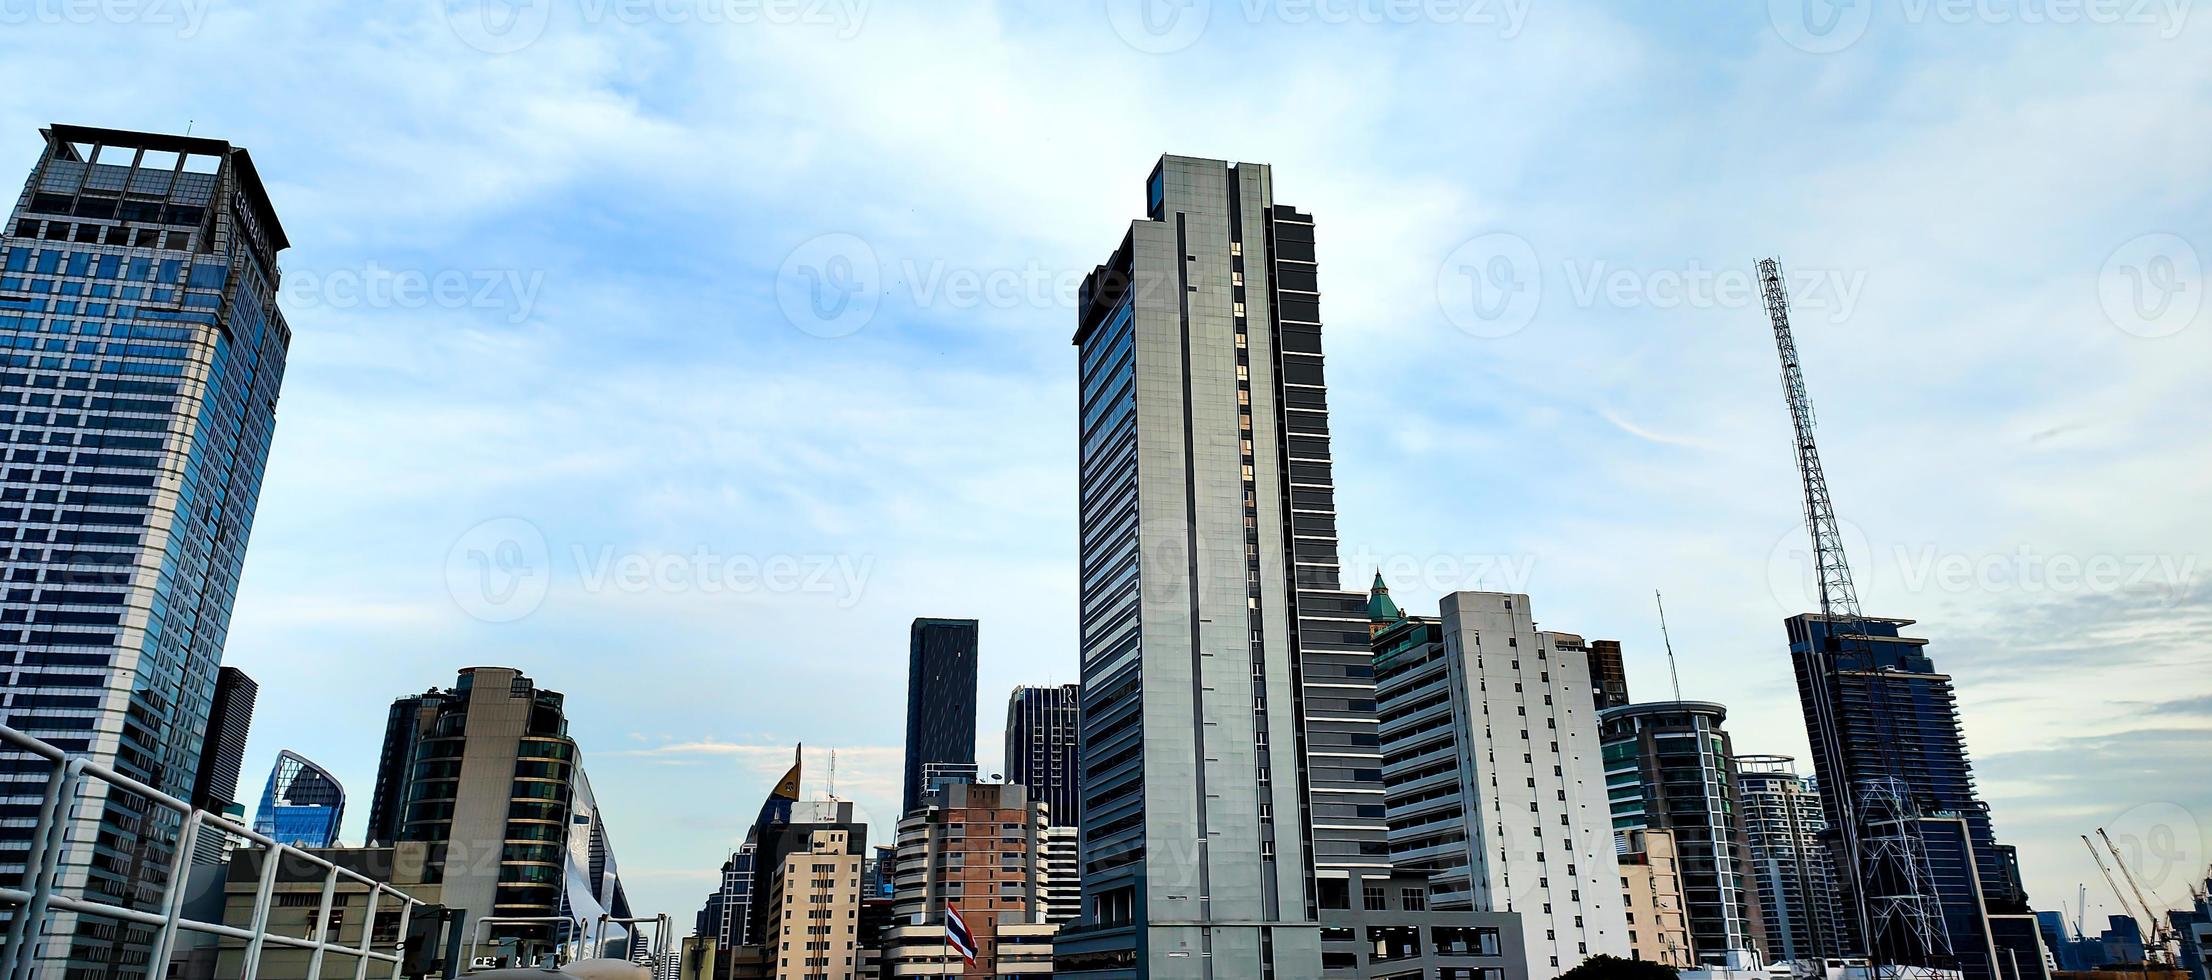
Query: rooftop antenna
x=188 y=127
x=833 y=774
x=1669 y=641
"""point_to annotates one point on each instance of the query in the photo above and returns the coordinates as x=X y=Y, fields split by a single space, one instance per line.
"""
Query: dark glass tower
x=1228 y=704
x=1897 y=725
x=222 y=755
x=940 y=702
x=411 y=720
x=144 y=353
x=1042 y=725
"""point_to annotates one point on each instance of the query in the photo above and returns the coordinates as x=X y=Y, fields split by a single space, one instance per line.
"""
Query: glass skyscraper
x=940 y=705
x=1669 y=765
x=222 y=758
x=145 y=351
x=302 y=805
x=1041 y=743
x=1898 y=733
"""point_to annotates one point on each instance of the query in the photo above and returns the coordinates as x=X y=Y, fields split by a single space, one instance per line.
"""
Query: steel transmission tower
x=1894 y=900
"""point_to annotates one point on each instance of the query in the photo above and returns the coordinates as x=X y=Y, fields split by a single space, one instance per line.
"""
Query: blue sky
x=558 y=398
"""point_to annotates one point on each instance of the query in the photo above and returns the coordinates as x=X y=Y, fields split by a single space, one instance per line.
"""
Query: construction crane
x=2081 y=909
x=1903 y=922
x=2155 y=933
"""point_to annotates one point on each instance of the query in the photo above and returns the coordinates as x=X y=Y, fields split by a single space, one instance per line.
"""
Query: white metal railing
x=582 y=940
x=39 y=898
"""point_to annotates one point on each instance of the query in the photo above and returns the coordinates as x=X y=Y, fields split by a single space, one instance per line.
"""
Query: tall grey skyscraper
x=144 y=355
x=1218 y=655
x=1041 y=730
x=940 y=703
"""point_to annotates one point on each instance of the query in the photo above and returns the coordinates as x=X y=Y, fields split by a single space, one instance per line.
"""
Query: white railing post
x=46 y=856
x=261 y=902
x=322 y=925
x=172 y=900
x=21 y=931
x=399 y=939
x=368 y=937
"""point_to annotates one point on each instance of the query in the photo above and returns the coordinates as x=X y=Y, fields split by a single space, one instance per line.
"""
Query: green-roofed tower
x=1381 y=612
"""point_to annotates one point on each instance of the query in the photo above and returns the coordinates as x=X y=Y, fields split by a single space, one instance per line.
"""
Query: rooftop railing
x=33 y=905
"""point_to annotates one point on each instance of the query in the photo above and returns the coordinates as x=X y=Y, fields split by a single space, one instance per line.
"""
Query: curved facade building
x=302 y=805
x=492 y=776
x=1669 y=766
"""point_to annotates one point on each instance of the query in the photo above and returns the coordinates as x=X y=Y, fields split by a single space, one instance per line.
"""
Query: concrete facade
x=1196 y=863
x=493 y=778
x=981 y=851
x=296 y=905
x=814 y=907
x=1651 y=891
x=1491 y=756
x=1798 y=897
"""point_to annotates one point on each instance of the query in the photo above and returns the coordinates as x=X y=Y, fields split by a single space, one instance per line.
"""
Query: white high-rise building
x=1496 y=784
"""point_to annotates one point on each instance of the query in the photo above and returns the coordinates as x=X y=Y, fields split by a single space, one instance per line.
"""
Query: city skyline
x=1669 y=472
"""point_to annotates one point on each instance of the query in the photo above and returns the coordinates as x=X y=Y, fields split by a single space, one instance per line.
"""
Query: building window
x=1373 y=897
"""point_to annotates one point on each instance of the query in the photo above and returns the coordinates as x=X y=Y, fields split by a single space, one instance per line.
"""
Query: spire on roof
x=1379 y=607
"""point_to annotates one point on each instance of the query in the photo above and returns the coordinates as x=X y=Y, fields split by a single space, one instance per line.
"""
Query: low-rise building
x=814 y=908
x=979 y=848
x=1389 y=931
x=1484 y=719
x=295 y=905
x=1651 y=888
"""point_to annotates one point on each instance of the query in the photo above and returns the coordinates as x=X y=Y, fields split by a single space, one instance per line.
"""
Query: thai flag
x=957 y=935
